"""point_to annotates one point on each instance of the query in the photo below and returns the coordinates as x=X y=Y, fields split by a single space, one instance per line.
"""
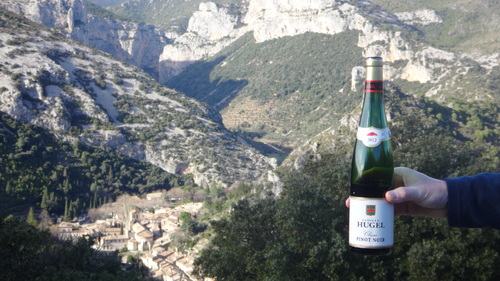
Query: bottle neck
x=373 y=114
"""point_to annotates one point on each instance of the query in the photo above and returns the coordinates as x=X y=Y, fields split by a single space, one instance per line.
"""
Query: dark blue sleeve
x=474 y=201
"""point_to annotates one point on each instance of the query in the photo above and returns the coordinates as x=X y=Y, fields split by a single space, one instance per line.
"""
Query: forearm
x=474 y=201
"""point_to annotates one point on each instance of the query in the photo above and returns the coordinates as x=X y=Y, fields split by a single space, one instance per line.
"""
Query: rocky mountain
x=466 y=26
x=214 y=27
x=136 y=43
x=283 y=71
x=274 y=83
x=170 y=15
x=210 y=30
x=81 y=94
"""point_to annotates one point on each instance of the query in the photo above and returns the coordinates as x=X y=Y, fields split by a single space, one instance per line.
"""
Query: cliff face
x=81 y=94
x=138 y=44
x=279 y=18
x=52 y=13
x=211 y=29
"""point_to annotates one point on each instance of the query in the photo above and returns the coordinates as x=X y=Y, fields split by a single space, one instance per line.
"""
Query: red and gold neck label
x=374 y=86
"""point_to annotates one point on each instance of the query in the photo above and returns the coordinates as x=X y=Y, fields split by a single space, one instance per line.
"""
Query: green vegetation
x=297 y=86
x=100 y=12
x=302 y=235
x=467 y=25
x=31 y=254
x=66 y=179
x=167 y=14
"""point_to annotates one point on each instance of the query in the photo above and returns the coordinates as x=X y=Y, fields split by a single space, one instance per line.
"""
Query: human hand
x=417 y=194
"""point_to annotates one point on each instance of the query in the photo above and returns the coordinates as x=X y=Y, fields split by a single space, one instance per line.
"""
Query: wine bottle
x=371 y=217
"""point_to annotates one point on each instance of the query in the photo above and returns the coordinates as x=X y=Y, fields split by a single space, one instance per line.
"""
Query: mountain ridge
x=209 y=57
x=410 y=61
x=82 y=94
x=136 y=43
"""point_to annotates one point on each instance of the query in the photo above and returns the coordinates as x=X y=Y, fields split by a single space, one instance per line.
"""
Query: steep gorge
x=81 y=94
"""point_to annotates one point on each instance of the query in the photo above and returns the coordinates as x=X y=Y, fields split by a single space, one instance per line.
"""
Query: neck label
x=372 y=136
x=374 y=86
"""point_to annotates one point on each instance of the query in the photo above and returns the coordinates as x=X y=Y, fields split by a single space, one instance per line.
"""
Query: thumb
x=402 y=194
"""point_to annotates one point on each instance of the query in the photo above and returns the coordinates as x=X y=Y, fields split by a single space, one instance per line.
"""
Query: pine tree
x=66 y=210
x=45 y=199
x=31 y=218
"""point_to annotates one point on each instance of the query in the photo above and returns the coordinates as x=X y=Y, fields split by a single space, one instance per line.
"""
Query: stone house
x=143 y=236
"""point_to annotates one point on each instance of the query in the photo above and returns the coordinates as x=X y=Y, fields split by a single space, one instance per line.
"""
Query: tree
x=45 y=220
x=45 y=199
x=187 y=222
x=31 y=218
x=199 y=195
x=177 y=194
x=303 y=236
x=30 y=254
x=237 y=252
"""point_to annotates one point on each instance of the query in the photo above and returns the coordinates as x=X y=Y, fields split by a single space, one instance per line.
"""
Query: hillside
x=467 y=26
x=436 y=139
x=64 y=178
x=295 y=72
x=169 y=15
x=278 y=96
x=255 y=67
x=81 y=94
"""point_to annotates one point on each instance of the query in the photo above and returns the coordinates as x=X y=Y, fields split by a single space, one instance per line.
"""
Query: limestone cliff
x=423 y=17
x=380 y=33
x=65 y=14
x=138 y=44
x=279 y=18
x=213 y=27
x=81 y=94
x=210 y=30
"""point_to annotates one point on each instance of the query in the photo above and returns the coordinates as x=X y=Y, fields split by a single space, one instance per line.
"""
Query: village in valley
x=142 y=228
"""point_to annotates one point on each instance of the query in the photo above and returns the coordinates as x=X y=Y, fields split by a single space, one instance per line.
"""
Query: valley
x=251 y=107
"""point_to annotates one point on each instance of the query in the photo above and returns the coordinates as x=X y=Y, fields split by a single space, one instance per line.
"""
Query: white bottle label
x=372 y=136
x=371 y=223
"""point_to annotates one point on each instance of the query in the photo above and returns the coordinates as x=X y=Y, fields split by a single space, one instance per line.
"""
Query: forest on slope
x=302 y=234
x=66 y=179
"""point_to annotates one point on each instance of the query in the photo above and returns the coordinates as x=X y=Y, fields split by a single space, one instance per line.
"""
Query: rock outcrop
x=210 y=30
x=422 y=17
x=138 y=44
x=81 y=94
x=66 y=14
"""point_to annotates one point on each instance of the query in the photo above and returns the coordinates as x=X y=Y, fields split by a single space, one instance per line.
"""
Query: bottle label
x=372 y=136
x=371 y=223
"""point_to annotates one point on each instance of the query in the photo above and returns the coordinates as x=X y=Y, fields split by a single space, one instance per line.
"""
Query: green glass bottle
x=371 y=217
